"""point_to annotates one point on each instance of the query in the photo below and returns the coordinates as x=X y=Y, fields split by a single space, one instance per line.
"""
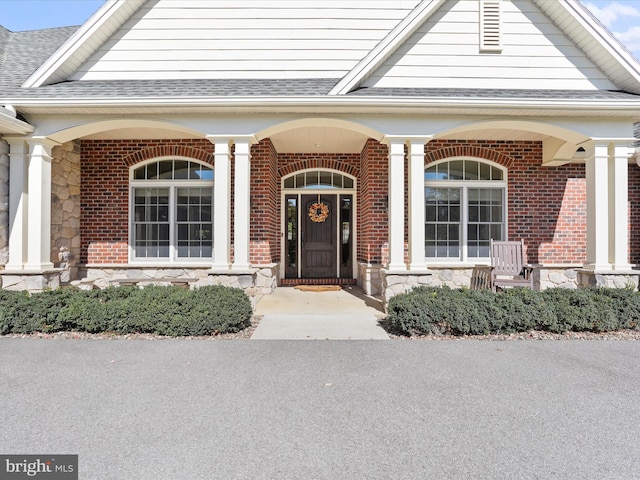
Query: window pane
x=140 y=173
x=496 y=174
x=194 y=226
x=456 y=170
x=348 y=182
x=454 y=213
x=431 y=173
x=471 y=170
x=474 y=213
x=165 y=169
x=326 y=179
x=442 y=214
x=151 y=231
x=152 y=171
x=181 y=169
x=289 y=182
x=485 y=171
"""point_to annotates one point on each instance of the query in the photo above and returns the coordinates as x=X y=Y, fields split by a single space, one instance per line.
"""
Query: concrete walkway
x=291 y=314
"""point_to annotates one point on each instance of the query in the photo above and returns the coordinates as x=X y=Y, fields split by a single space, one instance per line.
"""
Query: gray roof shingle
x=496 y=93
x=26 y=51
x=174 y=88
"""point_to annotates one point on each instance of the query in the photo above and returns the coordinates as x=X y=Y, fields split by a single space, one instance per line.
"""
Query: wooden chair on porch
x=508 y=268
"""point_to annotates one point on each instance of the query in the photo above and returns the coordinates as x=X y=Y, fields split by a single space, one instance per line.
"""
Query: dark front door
x=319 y=236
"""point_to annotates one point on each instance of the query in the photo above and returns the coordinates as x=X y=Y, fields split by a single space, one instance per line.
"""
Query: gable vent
x=490 y=26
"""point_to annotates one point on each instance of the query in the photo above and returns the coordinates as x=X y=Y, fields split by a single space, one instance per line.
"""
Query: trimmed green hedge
x=442 y=310
x=172 y=311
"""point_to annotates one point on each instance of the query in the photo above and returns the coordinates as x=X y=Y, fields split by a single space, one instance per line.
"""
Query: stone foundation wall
x=4 y=202
x=543 y=277
x=610 y=280
x=65 y=207
x=32 y=283
x=260 y=281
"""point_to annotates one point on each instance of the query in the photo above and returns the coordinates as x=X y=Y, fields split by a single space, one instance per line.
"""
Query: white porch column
x=221 y=202
x=416 y=203
x=597 y=172
x=396 y=204
x=242 y=203
x=18 y=163
x=619 y=206
x=39 y=206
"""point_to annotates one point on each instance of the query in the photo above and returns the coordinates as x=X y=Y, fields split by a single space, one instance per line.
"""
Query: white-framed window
x=465 y=207
x=171 y=211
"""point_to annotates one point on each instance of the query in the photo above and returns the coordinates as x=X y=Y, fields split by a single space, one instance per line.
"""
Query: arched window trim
x=137 y=166
x=351 y=178
x=469 y=251
x=173 y=237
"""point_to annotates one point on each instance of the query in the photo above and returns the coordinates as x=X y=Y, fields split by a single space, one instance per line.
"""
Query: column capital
x=232 y=139
x=44 y=141
x=406 y=139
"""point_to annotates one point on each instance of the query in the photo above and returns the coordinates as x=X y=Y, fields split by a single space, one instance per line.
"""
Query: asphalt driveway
x=186 y=409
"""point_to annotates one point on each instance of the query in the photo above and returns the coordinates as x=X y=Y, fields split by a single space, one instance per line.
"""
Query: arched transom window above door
x=171 y=214
x=465 y=207
x=318 y=179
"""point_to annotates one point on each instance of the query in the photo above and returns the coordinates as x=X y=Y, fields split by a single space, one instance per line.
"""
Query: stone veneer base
x=256 y=281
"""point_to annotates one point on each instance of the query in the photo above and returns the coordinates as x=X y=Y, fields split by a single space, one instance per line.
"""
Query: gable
x=446 y=51
x=192 y=39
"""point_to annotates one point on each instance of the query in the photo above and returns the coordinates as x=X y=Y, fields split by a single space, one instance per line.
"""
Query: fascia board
x=389 y=44
x=105 y=21
x=549 y=105
x=616 y=51
x=11 y=125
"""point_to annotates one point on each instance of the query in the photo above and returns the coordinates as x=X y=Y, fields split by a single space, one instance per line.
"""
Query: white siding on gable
x=445 y=53
x=217 y=39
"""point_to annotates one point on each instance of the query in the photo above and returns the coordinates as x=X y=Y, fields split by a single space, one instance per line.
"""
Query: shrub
x=581 y=310
x=428 y=310
x=163 y=310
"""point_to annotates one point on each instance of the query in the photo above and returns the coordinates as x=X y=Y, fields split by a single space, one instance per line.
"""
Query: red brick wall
x=105 y=190
x=634 y=214
x=264 y=245
x=546 y=205
x=373 y=231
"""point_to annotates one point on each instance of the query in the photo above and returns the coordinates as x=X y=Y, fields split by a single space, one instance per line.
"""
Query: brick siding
x=105 y=190
x=546 y=205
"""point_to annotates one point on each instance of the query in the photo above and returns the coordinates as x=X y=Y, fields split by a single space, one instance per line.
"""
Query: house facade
x=374 y=143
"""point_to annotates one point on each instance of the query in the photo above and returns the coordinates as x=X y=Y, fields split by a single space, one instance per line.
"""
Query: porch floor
x=292 y=314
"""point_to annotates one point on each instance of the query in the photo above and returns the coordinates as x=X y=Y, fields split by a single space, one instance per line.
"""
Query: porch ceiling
x=318 y=139
x=496 y=134
x=139 y=133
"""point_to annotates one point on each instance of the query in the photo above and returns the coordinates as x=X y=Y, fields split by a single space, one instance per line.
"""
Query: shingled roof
x=25 y=51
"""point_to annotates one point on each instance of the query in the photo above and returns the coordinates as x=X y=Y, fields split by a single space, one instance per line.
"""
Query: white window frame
x=464 y=186
x=173 y=186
